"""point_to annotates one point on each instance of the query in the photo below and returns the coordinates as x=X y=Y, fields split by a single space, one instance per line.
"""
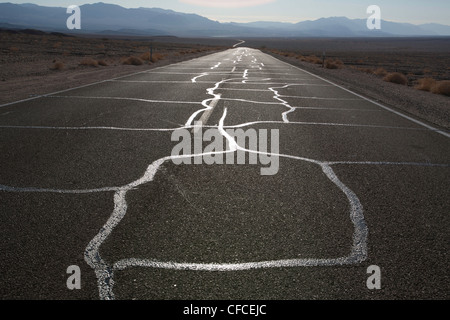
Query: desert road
x=91 y=177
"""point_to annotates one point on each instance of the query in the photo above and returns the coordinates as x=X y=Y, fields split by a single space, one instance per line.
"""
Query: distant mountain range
x=105 y=18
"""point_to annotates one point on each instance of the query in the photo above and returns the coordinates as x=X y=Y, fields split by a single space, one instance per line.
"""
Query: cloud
x=227 y=3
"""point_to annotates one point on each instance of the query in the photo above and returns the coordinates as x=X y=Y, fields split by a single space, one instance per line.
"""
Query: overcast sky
x=412 y=11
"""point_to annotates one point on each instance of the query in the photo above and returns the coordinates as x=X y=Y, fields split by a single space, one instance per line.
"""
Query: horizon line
x=216 y=20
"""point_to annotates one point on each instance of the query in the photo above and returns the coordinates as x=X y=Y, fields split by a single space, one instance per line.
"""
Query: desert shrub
x=156 y=57
x=317 y=60
x=426 y=84
x=135 y=61
x=380 y=72
x=313 y=59
x=396 y=77
x=366 y=70
x=334 y=64
x=289 y=54
x=145 y=56
x=102 y=63
x=58 y=66
x=89 y=62
x=442 y=87
x=329 y=64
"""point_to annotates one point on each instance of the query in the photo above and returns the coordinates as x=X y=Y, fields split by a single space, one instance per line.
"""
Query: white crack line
x=283 y=102
x=159 y=81
x=194 y=80
x=250 y=90
x=292 y=109
x=304 y=84
x=241 y=125
x=258 y=82
x=207 y=113
x=60 y=191
x=322 y=98
x=251 y=101
x=101 y=128
x=245 y=76
x=216 y=66
x=123 y=98
x=388 y=163
x=338 y=109
x=188 y=68
x=188 y=73
x=239 y=43
x=209 y=104
x=277 y=97
x=252 y=82
x=105 y=271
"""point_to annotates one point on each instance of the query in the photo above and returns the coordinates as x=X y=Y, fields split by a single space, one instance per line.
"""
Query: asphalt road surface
x=333 y=184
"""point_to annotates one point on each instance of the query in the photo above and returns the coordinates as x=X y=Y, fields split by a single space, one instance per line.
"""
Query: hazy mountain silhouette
x=107 y=18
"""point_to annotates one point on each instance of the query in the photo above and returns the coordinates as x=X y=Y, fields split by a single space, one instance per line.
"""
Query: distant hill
x=105 y=18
